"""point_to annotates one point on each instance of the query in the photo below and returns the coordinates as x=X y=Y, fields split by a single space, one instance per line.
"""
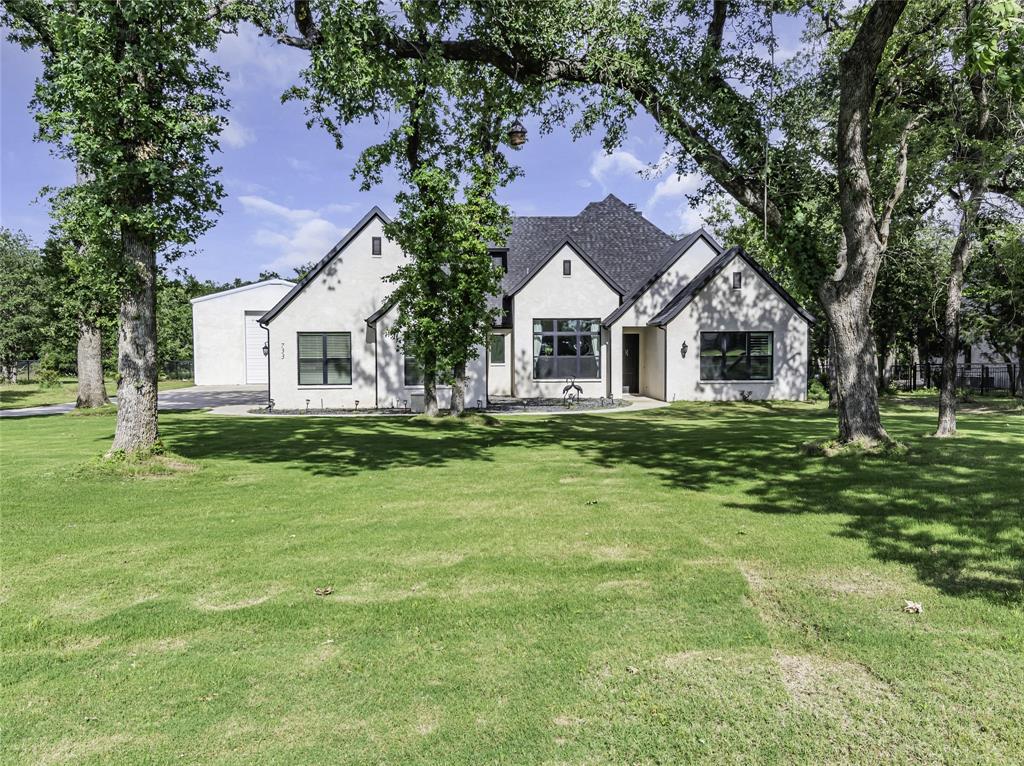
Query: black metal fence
x=977 y=378
x=178 y=369
x=27 y=370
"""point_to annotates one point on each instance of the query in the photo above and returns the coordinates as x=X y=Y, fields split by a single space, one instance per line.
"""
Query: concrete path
x=192 y=398
x=237 y=401
x=636 y=404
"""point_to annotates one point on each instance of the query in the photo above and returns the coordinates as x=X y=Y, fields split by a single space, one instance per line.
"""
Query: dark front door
x=631 y=364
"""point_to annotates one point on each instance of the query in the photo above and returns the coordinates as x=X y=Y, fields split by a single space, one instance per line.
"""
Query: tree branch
x=857 y=68
x=717 y=26
x=900 y=185
x=522 y=67
x=31 y=14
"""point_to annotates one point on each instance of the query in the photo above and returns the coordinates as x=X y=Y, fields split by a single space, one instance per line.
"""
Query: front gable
x=683 y=263
x=713 y=292
x=569 y=250
x=351 y=269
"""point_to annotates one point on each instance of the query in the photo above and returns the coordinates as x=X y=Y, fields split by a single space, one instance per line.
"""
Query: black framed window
x=565 y=348
x=375 y=245
x=325 y=358
x=737 y=280
x=736 y=355
x=412 y=372
x=566 y=268
x=497 y=349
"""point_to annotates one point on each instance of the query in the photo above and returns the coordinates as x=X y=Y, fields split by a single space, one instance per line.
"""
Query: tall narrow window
x=737 y=280
x=564 y=348
x=736 y=355
x=413 y=373
x=497 y=349
x=566 y=268
x=325 y=358
x=375 y=245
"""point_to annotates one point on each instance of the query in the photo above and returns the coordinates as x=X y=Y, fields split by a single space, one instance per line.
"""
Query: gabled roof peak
x=608 y=204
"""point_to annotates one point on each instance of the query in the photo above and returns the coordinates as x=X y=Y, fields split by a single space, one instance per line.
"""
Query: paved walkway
x=636 y=404
x=238 y=400
x=192 y=398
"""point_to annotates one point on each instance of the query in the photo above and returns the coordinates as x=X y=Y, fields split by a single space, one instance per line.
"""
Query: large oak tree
x=128 y=95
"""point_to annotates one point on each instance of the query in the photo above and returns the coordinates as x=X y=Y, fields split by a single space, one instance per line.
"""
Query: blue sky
x=289 y=192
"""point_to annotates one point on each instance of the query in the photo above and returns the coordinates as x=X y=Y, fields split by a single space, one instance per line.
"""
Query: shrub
x=817 y=391
x=48 y=377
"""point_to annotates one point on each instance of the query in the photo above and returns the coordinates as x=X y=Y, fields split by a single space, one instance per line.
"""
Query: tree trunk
x=430 y=384
x=1019 y=371
x=855 y=368
x=458 y=403
x=91 y=390
x=951 y=332
x=136 y=349
x=833 y=371
x=846 y=296
x=887 y=364
x=884 y=362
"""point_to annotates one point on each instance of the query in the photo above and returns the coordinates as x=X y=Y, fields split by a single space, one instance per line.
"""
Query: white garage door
x=255 y=337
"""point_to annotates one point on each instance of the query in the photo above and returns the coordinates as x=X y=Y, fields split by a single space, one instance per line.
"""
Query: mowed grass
x=17 y=395
x=673 y=586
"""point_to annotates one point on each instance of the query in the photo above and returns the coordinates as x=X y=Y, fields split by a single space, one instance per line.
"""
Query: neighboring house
x=604 y=297
x=227 y=338
x=980 y=352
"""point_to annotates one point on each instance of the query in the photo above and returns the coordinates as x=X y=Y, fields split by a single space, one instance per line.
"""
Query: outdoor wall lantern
x=683 y=349
x=517 y=134
x=266 y=348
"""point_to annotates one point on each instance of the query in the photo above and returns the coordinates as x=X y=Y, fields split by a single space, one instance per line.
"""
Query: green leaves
x=128 y=95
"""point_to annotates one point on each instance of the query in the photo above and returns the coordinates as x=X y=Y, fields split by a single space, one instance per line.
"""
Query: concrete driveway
x=193 y=398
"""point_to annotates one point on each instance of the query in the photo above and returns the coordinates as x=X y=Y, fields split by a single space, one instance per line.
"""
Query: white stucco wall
x=755 y=307
x=338 y=299
x=652 y=362
x=550 y=295
x=218 y=330
x=686 y=267
x=391 y=388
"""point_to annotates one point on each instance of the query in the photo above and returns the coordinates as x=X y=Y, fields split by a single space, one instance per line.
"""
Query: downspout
x=376 y=394
x=664 y=362
x=265 y=327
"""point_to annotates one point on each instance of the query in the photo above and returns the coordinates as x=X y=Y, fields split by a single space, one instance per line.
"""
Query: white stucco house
x=604 y=297
x=227 y=339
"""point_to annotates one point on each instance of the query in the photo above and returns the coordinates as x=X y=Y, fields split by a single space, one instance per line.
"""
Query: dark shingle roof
x=624 y=244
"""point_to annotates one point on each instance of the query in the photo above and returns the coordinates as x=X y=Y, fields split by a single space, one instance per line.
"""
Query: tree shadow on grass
x=950 y=509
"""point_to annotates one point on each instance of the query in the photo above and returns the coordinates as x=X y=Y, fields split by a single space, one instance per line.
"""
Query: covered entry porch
x=641 y=360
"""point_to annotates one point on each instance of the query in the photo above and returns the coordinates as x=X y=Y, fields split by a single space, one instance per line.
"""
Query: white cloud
x=340 y=207
x=255 y=204
x=302 y=166
x=252 y=61
x=619 y=162
x=236 y=135
x=293 y=236
x=672 y=187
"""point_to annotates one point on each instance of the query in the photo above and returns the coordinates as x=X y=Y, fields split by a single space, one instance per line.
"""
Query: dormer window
x=566 y=268
x=499 y=262
x=375 y=246
x=737 y=280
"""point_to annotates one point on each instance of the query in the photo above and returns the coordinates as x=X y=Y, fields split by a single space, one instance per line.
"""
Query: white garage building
x=227 y=340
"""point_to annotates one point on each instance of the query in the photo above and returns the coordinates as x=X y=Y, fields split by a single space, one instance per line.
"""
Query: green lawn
x=15 y=395
x=673 y=586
